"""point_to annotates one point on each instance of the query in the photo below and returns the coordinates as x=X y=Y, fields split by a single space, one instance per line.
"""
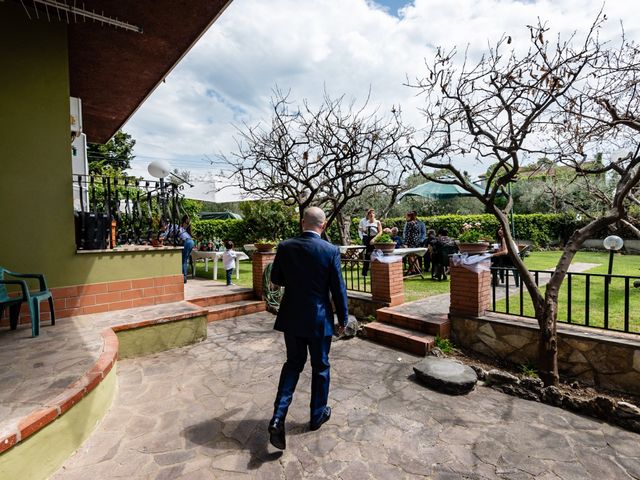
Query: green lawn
x=246 y=274
x=416 y=288
x=623 y=265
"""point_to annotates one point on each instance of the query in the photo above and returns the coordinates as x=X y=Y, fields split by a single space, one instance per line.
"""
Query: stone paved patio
x=33 y=371
x=201 y=412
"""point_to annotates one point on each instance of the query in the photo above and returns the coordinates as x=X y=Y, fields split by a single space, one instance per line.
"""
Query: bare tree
x=323 y=157
x=504 y=108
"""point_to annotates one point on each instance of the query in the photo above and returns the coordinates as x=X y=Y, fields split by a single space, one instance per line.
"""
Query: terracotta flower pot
x=156 y=242
x=385 y=247
x=473 y=248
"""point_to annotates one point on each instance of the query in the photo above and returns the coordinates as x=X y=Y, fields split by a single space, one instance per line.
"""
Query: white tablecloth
x=215 y=256
x=403 y=252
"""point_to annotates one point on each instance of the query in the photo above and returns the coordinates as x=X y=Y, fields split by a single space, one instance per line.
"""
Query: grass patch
x=246 y=273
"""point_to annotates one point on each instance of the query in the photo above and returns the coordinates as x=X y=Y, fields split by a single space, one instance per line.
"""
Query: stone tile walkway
x=201 y=412
x=33 y=371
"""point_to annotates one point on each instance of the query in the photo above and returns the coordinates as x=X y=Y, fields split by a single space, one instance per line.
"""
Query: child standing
x=229 y=260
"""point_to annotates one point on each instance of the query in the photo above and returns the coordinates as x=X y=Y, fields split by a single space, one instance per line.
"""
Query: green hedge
x=541 y=229
x=233 y=230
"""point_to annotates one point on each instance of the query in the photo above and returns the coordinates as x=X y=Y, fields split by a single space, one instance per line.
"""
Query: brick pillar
x=386 y=283
x=259 y=264
x=470 y=292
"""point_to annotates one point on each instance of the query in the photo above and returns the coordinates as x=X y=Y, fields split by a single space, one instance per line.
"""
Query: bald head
x=313 y=219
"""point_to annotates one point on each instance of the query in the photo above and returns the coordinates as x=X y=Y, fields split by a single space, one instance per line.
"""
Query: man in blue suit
x=309 y=269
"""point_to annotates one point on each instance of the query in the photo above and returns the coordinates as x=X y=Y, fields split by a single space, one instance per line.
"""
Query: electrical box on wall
x=75 y=108
x=80 y=170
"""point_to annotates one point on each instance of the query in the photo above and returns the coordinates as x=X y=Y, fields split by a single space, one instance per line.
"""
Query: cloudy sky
x=345 y=46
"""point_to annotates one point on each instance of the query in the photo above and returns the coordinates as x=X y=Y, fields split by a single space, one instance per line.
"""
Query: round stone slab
x=446 y=375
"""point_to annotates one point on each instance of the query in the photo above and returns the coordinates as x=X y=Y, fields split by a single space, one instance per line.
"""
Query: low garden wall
x=362 y=306
x=604 y=359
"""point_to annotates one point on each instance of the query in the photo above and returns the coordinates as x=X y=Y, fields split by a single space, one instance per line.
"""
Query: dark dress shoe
x=326 y=415
x=276 y=434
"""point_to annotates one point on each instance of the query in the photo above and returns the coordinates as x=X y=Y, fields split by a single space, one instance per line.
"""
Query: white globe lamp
x=613 y=243
x=159 y=168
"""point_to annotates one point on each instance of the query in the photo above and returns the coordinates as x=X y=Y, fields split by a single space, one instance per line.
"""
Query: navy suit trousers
x=296 y=358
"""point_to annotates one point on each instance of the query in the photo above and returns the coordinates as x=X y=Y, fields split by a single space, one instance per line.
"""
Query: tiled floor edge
x=60 y=404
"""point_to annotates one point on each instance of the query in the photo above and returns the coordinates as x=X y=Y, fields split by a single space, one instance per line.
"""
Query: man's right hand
x=341 y=330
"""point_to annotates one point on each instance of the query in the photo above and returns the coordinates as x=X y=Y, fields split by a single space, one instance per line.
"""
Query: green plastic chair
x=33 y=299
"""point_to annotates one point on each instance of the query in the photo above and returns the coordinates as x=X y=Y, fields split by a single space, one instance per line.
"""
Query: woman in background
x=368 y=228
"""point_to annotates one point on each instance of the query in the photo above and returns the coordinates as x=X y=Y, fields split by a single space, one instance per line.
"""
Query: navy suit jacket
x=309 y=269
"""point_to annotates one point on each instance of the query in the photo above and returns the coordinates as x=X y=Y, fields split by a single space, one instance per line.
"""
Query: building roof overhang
x=114 y=70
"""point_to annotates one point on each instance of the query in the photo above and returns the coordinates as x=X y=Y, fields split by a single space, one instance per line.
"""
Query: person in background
x=443 y=246
x=422 y=228
x=229 y=260
x=411 y=231
x=368 y=228
x=431 y=239
x=412 y=240
x=182 y=234
x=395 y=237
x=500 y=258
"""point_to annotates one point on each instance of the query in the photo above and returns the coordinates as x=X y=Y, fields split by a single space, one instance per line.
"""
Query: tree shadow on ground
x=220 y=434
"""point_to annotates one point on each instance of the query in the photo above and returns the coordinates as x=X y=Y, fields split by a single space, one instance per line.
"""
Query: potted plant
x=384 y=242
x=265 y=245
x=471 y=239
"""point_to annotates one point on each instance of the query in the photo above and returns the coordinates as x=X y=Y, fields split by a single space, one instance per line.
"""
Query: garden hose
x=272 y=293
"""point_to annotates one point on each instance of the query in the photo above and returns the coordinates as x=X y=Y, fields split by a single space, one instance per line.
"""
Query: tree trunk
x=343 y=229
x=548 y=344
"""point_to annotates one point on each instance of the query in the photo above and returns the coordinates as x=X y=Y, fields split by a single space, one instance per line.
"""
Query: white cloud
x=345 y=45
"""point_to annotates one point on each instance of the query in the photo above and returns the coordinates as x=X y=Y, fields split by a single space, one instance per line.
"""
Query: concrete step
x=411 y=341
x=436 y=325
x=233 y=296
x=234 y=309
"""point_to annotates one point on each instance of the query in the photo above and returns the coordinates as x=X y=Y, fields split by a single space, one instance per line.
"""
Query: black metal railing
x=610 y=302
x=352 y=275
x=139 y=208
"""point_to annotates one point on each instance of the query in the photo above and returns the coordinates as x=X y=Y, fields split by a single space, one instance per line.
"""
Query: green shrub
x=444 y=344
x=278 y=221
x=233 y=230
x=529 y=370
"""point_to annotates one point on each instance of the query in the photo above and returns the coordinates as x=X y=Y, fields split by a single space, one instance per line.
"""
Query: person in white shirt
x=368 y=228
x=229 y=260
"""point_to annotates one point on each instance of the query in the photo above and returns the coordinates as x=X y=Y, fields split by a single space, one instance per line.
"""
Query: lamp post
x=613 y=243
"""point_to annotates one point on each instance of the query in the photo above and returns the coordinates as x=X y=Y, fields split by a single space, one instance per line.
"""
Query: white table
x=351 y=251
x=412 y=263
x=403 y=252
x=215 y=256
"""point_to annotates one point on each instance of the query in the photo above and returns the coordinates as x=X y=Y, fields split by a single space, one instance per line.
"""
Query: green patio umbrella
x=437 y=191
x=441 y=191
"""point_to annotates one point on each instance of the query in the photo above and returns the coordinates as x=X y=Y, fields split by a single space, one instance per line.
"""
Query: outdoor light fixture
x=613 y=243
x=161 y=169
